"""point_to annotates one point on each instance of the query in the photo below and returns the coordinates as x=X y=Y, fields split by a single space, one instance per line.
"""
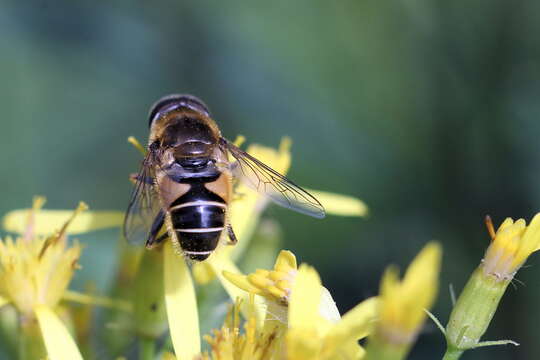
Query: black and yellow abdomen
x=198 y=218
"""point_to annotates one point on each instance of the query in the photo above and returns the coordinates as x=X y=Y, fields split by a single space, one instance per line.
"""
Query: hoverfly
x=185 y=182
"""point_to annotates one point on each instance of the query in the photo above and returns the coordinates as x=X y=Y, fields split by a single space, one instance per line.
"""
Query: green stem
x=149 y=303
x=379 y=349
x=452 y=354
x=31 y=344
x=147 y=348
x=474 y=310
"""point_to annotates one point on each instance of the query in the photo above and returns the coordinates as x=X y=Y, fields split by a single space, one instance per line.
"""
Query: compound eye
x=176 y=101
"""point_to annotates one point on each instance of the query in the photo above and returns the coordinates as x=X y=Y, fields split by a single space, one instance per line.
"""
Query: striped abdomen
x=198 y=218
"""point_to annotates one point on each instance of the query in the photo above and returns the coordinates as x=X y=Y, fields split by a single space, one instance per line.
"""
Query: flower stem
x=452 y=354
x=147 y=348
x=474 y=310
x=31 y=344
x=378 y=349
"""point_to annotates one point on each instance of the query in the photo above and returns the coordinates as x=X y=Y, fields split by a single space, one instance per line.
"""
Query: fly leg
x=161 y=238
x=153 y=238
x=228 y=169
x=232 y=237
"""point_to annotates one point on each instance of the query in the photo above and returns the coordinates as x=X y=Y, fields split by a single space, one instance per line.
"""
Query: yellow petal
x=304 y=338
x=202 y=272
x=505 y=224
x=244 y=217
x=85 y=299
x=303 y=344
x=242 y=282
x=340 y=205
x=305 y=298
x=532 y=235
x=357 y=322
x=390 y=283
x=181 y=305
x=279 y=160
x=221 y=264
x=422 y=276
x=327 y=308
x=342 y=338
x=58 y=341
x=49 y=221
x=403 y=302
x=285 y=261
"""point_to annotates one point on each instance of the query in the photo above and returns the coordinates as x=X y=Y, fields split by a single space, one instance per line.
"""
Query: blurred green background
x=426 y=110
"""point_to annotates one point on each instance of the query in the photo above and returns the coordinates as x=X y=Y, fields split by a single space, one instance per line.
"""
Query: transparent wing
x=269 y=182
x=143 y=207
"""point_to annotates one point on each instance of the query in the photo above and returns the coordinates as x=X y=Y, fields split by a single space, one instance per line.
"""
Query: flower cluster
x=278 y=313
x=301 y=319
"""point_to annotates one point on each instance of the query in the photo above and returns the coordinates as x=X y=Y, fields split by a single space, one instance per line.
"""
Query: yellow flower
x=301 y=314
x=313 y=336
x=273 y=284
x=302 y=341
x=35 y=271
x=402 y=304
x=275 y=287
x=308 y=327
x=510 y=247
